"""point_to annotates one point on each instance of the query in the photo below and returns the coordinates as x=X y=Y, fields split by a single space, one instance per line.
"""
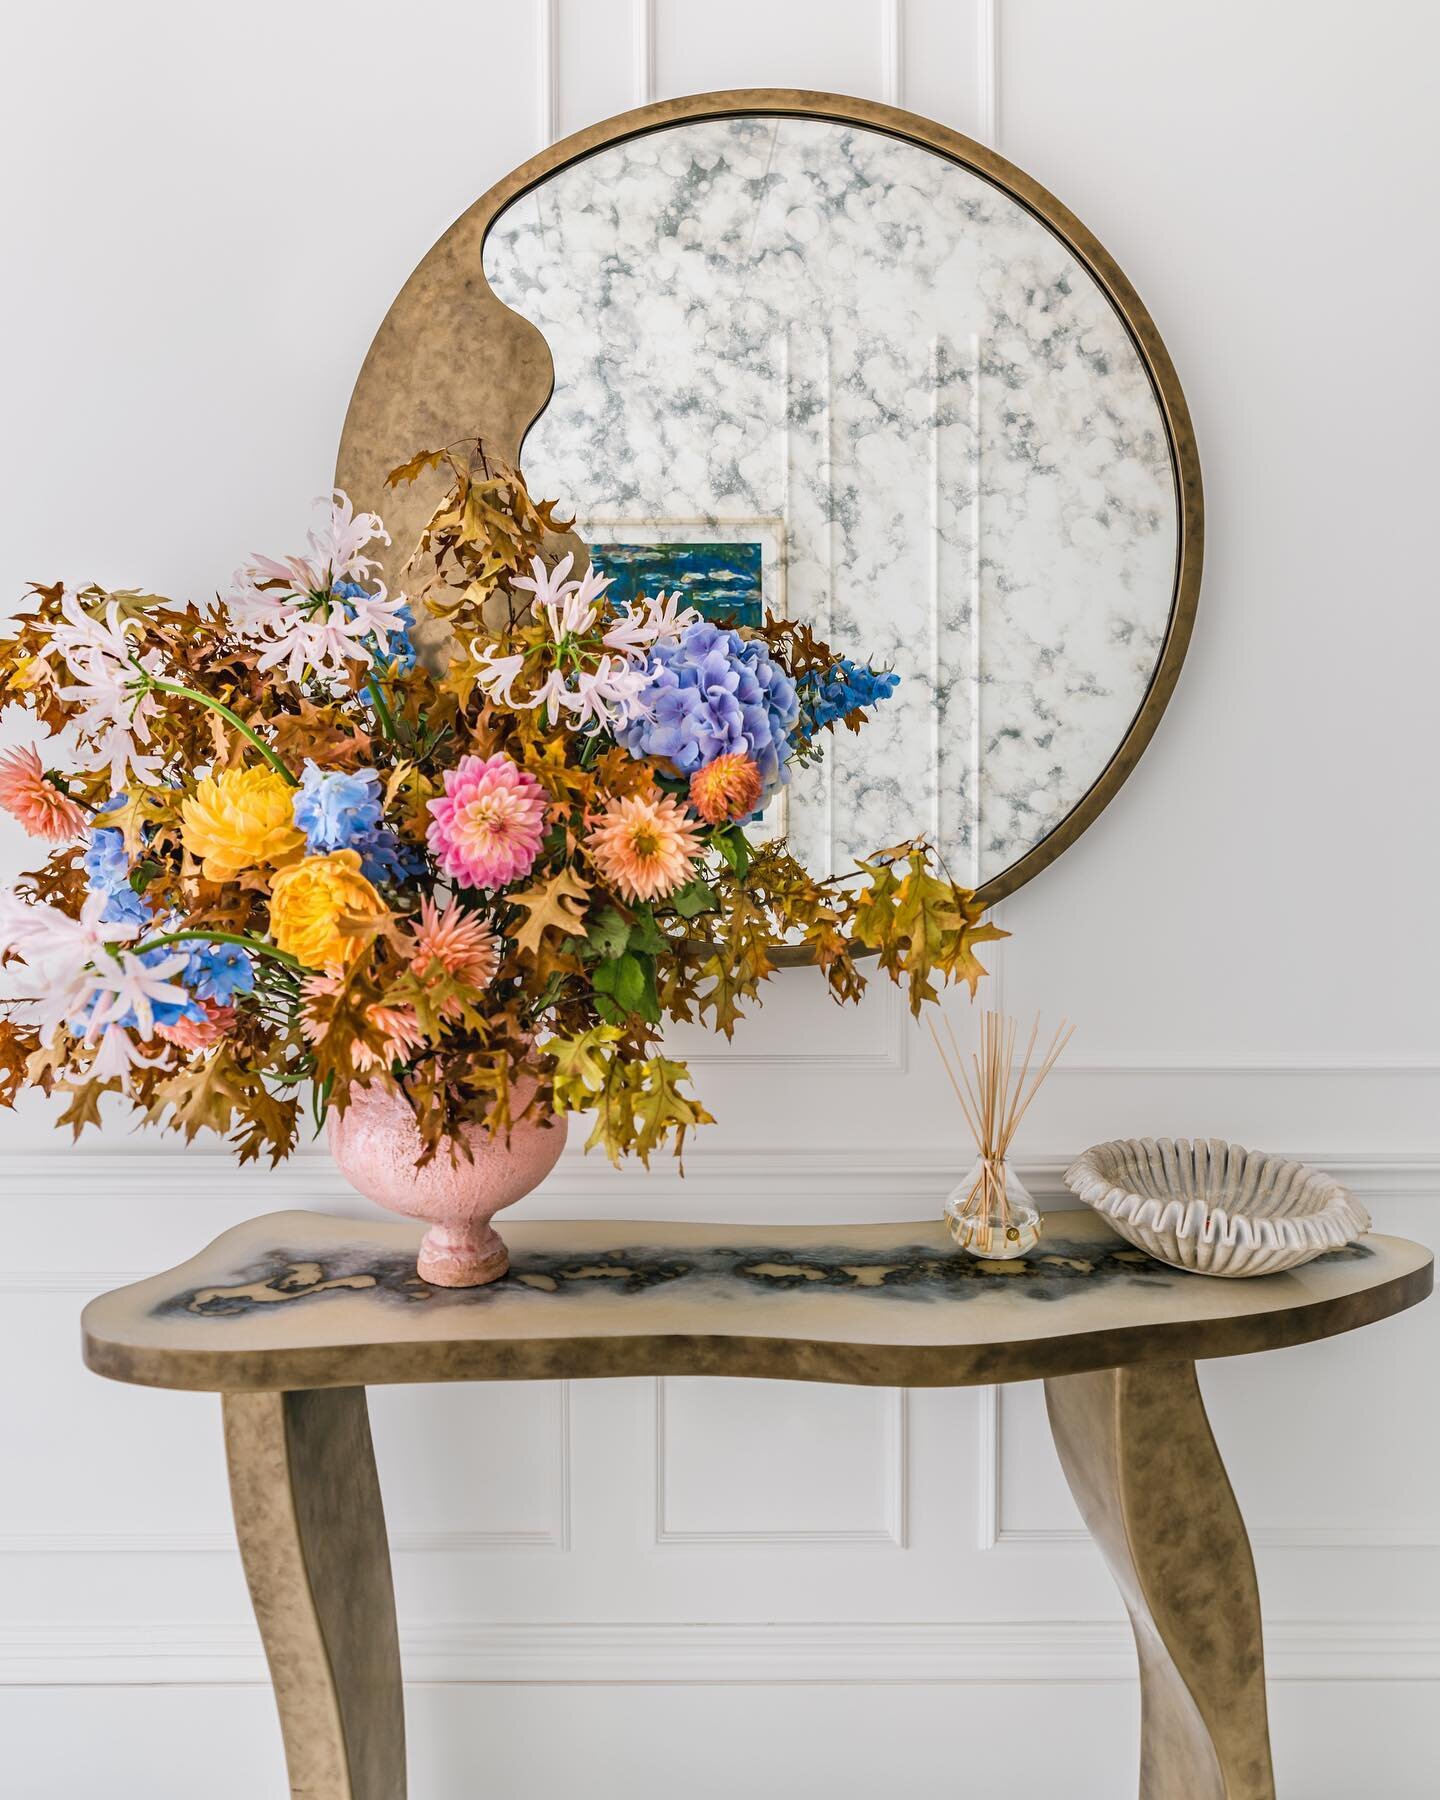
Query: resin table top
x=303 y=1300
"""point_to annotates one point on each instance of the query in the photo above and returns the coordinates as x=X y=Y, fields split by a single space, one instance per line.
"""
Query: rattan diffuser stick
x=995 y=1093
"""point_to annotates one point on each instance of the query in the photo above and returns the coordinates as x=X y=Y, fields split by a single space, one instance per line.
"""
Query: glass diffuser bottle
x=989 y=1213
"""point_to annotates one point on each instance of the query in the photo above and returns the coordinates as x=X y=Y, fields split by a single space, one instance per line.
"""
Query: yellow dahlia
x=240 y=820
x=644 y=848
x=311 y=900
x=726 y=789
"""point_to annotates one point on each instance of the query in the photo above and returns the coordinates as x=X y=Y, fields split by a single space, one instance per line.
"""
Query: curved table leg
x=1142 y=1464
x=312 y=1535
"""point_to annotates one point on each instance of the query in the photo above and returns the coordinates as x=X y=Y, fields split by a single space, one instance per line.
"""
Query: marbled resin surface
x=301 y=1300
x=794 y=318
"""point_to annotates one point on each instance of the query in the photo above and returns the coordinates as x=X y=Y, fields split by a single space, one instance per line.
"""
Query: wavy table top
x=302 y=1300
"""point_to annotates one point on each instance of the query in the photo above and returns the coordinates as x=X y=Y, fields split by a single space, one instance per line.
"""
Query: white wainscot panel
x=97 y=1464
x=799 y=1027
x=755 y=43
x=788 y=1463
x=475 y=1466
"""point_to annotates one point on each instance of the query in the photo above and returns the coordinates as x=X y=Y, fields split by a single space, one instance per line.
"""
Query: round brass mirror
x=814 y=354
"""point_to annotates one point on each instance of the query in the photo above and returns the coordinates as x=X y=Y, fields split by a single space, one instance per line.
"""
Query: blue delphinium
x=334 y=806
x=396 y=656
x=218 y=972
x=845 y=687
x=714 y=693
x=340 y=810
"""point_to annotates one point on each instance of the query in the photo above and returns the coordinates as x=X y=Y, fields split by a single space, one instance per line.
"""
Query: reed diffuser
x=990 y=1214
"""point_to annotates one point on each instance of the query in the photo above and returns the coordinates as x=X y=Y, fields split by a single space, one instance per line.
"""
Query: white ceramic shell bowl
x=1216 y=1208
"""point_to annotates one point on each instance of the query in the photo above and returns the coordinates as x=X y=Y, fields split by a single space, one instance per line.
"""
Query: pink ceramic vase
x=377 y=1143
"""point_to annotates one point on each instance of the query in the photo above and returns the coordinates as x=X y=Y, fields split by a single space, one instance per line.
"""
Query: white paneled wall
x=208 y=210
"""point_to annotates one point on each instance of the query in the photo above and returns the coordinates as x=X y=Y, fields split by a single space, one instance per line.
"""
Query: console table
x=290 y=1317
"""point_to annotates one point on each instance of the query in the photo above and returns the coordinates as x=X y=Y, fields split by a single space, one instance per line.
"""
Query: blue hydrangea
x=107 y=871
x=397 y=654
x=714 y=693
x=106 y=862
x=341 y=811
x=842 y=689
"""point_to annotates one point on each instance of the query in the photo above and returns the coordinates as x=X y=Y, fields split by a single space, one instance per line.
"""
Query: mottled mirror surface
x=909 y=392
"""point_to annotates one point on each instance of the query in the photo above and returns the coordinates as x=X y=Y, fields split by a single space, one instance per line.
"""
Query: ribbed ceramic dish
x=1216 y=1208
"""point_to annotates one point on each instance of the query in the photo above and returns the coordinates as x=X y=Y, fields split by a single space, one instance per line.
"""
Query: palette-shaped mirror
x=819 y=356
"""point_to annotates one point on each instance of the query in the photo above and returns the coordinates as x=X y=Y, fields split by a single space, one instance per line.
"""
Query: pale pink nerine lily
x=659 y=619
x=75 y=967
x=74 y=962
x=116 y=1055
x=334 y=553
x=298 y=621
x=570 y=606
x=125 y=985
x=609 y=694
x=58 y=954
x=114 y=716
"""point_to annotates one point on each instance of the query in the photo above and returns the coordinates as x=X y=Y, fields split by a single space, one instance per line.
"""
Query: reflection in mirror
x=877 y=377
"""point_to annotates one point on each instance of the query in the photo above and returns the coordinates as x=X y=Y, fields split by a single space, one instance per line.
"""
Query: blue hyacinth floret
x=714 y=693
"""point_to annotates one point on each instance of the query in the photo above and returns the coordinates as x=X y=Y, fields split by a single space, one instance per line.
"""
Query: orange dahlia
x=644 y=848
x=400 y=1024
x=726 y=789
x=199 y=1034
x=27 y=795
x=456 y=943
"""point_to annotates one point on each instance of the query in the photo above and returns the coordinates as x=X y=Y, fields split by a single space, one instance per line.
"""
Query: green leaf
x=694 y=898
x=735 y=848
x=646 y=936
x=144 y=873
x=628 y=982
x=608 y=935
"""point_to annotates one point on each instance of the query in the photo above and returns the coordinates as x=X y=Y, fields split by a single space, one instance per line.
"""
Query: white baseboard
x=1040 y=1651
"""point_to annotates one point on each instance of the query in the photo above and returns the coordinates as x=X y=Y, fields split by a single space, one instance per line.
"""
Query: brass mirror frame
x=451 y=360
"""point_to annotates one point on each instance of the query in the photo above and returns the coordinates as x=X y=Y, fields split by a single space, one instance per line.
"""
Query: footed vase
x=376 y=1144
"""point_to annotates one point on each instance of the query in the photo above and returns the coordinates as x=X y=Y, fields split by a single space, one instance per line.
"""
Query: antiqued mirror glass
x=883 y=377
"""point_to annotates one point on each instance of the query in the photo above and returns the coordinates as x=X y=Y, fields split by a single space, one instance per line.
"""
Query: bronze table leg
x=1142 y=1464
x=312 y=1535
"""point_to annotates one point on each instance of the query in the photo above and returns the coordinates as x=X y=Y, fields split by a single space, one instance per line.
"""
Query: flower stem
x=187 y=693
x=258 y=945
x=378 y=701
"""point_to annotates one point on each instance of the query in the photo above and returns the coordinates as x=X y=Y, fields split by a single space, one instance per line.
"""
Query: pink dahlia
x=36 y=802
x=486 y=830
x=644 y=849
x=199 y=1034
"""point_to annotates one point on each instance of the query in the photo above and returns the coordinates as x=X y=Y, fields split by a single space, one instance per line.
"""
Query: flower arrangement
x=475 y=841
